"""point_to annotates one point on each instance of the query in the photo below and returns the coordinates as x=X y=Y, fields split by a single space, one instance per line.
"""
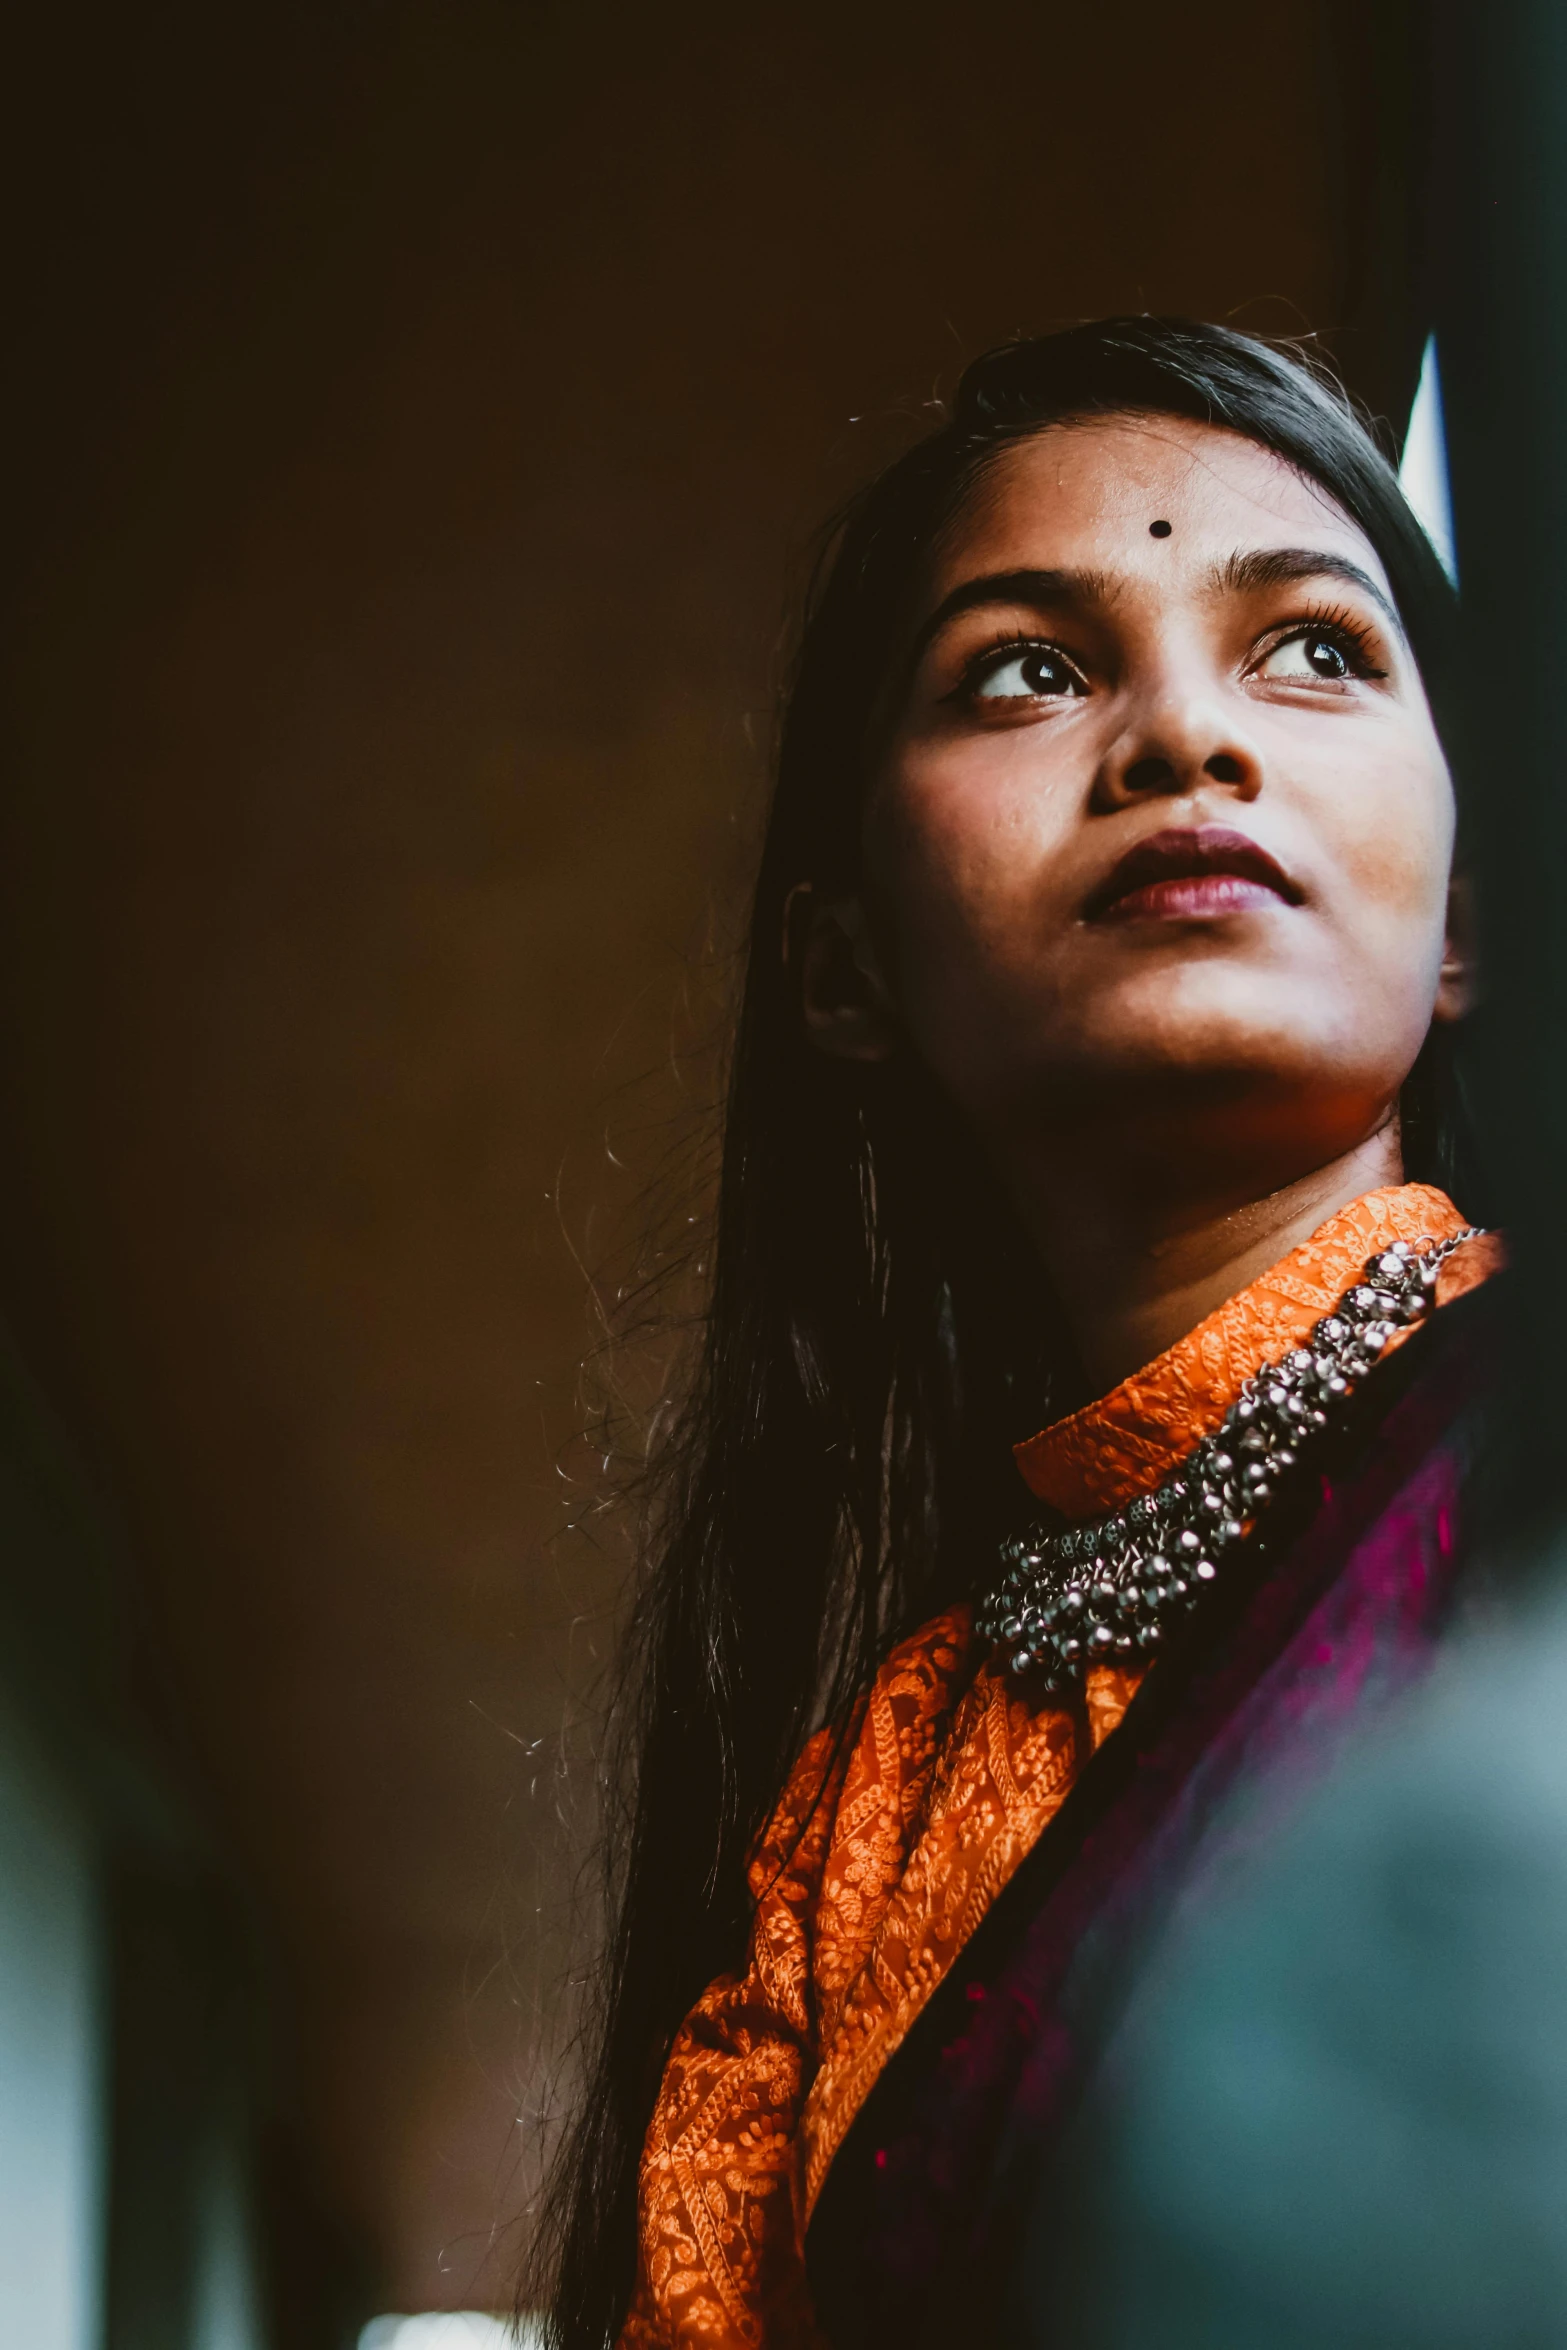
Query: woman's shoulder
x=888 y=1740
x=918 y=1686
x=933 y=1661
x=1472 y=1262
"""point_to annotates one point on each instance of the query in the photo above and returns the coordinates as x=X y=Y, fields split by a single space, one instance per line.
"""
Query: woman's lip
x=1196 y=870
x=1191 y=897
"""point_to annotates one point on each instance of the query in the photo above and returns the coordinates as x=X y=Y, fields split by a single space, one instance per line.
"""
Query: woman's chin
x=1235 y=1072
x=1213 y=1023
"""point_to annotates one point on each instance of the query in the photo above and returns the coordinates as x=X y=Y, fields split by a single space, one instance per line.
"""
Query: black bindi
x=1158 y=530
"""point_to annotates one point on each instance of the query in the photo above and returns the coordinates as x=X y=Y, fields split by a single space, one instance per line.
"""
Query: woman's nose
x=1177 y=751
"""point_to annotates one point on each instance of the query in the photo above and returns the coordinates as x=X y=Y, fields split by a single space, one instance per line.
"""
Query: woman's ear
x=845 y=1001
x=1458 y=982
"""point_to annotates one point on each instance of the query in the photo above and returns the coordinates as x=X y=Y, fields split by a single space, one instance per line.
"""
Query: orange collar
x=1109 y=1452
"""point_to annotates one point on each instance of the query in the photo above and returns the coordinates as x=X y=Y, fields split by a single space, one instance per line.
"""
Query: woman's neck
x=1137 y=1268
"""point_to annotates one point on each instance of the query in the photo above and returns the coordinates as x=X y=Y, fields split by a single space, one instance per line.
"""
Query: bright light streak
x=446 y=2329
x=1423 y=473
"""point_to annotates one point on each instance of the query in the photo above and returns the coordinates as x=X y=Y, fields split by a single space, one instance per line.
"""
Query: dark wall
x=419 y=408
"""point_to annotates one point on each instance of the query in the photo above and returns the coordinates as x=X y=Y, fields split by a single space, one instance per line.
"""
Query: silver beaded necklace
x=1107 y=1591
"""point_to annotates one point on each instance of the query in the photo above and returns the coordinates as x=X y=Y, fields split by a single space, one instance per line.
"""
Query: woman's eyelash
x=979 y=665
x=1353 y=636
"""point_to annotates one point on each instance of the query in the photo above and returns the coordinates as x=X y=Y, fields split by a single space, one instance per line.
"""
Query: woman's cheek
x=943 y=842
x=1391 y=842
x=1402 y=885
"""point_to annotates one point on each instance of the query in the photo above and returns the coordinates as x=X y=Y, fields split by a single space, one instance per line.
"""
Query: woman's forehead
x=1076 y=497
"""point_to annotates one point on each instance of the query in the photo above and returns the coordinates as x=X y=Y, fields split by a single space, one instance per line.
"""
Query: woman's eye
x=1026 y=673
x=1315 y=657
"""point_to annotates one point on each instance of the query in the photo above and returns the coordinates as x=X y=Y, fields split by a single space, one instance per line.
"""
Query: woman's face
x=1161 y=813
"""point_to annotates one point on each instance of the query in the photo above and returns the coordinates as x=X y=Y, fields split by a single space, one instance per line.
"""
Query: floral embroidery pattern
x=946 y=1783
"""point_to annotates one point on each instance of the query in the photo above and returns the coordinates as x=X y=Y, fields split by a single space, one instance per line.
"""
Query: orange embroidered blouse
x=948 y=1782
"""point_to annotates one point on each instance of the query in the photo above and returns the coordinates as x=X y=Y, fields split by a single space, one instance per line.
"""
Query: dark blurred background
x=419 y=410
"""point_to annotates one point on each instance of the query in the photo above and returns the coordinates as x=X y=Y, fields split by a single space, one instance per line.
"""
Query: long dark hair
x=876 y=1331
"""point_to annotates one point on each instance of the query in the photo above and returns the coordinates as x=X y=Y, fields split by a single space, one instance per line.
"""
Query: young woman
x=1075 y=1416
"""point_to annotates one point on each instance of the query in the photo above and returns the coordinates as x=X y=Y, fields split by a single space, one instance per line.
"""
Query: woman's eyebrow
x=1040 y=588
x=1267 y=567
